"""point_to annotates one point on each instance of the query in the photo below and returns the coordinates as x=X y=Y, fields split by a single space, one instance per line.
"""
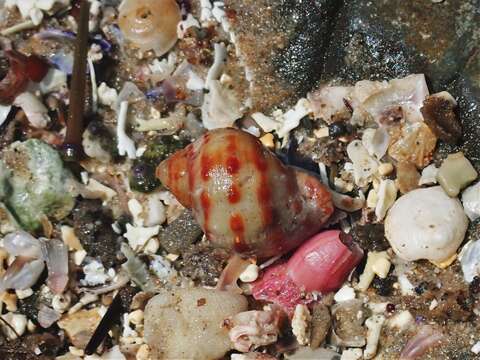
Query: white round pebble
x=250 y=274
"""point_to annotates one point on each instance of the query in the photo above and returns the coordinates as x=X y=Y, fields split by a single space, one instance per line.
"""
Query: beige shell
x=150 y=24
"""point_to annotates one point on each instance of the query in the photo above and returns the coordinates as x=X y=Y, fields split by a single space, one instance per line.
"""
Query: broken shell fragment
x=471 y=201
x=387 y=194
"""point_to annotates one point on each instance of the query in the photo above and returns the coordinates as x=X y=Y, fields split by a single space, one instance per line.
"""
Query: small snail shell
x=243 y=197
x=150 y=24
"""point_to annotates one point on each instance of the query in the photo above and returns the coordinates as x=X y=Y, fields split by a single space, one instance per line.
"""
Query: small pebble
x=250 y=274
x=267 y=141
x=74 y=351
x=143 y=352
x=23 y=294
x=172 y=257
x=17 y=322
x=136 y=317
x=476 y=348
x=337 y=129
x=152 y=246
x=321 y=132
x=31 y=326
x=61 y=302
x=390 y=307
x=78 y=257
x=10 y=301
x=385 y=169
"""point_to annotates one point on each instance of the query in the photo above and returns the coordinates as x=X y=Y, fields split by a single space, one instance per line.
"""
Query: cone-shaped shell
x=243 y=197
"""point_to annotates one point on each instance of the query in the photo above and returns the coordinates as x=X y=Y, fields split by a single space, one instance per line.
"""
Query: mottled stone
x=80 y=326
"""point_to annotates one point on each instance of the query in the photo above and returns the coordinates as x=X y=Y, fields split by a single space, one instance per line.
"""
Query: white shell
x=426 y=224
x=470 y=259
x=471 y=201
x=364 y=166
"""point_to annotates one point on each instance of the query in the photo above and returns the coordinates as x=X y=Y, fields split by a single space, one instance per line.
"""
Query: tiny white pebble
x=84 y=177
x=74 y=351
x=250 y=274
x=321 y=132
x=136 y=210
x=352 y=354
x=345 y=293
x=75 y=308
x=372 y=199
x=152 y=246
x=225 y=79
x=88 y=299
x=433 y=304
x=116 y=228
x=136 y=317
x=385 y=169
x=301 y=324
x=143 y=352
x=476 y=348
x=78 y=257
x=18 y=322
x=23 y=294
x=172 y=257
x=61 y=302
x=31 y=326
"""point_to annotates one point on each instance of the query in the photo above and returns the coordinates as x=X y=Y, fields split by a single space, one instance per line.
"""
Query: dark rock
x=180 y=234
x=93 y=226
x=387 y=39
x=296 y=155
x=203 y=263
x=142 y=177
x=127 y=294
x=384 y=287
x=370 y=237
x=454 y=306
x=320 y=40
x=348 y=318
x=320 y=324
x=104 y=135
x=24 y=348
x=474 y=286
x=337 y=129
x=310 y=22
x=29 y=306
x=261 y=34
x=422 y=287
x=440 y=116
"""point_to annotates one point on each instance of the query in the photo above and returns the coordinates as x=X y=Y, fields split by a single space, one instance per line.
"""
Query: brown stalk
x=73 y=138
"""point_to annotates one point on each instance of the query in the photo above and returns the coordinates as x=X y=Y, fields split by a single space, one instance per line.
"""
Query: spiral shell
x=243 y=197
x=150 y=24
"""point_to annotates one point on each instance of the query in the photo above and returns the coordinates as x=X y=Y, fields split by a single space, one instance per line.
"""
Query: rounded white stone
x=426 y=224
